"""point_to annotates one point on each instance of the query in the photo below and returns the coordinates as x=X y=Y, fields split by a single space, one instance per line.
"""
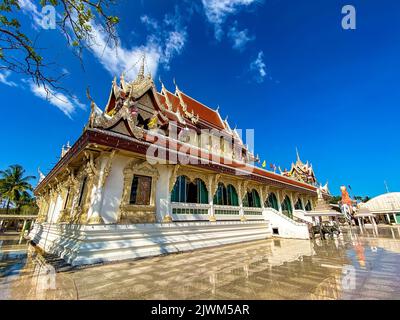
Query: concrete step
x=88 y=244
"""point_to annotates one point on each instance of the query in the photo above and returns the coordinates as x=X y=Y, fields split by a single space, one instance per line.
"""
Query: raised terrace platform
x=90 y=244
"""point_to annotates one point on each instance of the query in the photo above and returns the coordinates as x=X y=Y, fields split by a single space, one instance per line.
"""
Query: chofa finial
x=176 y=86
x=297 y=154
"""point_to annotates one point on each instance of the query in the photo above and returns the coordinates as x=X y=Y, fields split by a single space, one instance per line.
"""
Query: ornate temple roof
x=135 y=108
x=301 y=171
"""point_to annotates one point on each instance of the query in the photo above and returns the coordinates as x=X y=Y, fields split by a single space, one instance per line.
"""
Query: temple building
x=158 y=171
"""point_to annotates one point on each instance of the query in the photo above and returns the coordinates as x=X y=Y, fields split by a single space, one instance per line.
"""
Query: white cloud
x=4 y=79
x=67 y=105
x=240 y=38
x=217 y=12
x=259 y=68
x=167 y=40
x=28 y=7
x=149 y=22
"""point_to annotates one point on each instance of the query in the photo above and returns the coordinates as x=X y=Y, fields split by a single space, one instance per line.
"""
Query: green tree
x=74 y=18
x=14 y=185
x=335 y=199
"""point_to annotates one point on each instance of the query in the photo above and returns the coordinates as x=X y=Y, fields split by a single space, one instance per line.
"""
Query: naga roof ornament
x=191 y=115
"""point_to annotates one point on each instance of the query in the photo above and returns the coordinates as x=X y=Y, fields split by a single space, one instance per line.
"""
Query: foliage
x=19 y=53
x=335 y=199
x=15 y=187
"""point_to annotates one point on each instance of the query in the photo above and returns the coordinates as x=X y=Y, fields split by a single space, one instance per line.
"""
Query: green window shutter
x=179 y=191
x=256 y=199
x=272 y=201
x=202 y=192
x=246 y=200
x=232 y=196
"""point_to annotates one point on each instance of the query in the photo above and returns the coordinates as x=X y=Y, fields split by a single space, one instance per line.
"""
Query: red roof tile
x=205 y=113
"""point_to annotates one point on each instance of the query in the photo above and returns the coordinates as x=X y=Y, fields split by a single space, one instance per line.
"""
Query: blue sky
x=284 y=68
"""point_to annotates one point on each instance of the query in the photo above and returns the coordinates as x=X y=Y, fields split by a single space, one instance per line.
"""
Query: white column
x=278 y=196
x=163 y=196
x=211 y=212
x=241 y=211
x=96 y=196
x=388 y=218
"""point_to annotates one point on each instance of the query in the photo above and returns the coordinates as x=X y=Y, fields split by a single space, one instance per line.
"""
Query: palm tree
x=14 y=186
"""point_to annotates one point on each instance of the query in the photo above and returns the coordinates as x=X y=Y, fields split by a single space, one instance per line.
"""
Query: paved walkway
x=354 y=266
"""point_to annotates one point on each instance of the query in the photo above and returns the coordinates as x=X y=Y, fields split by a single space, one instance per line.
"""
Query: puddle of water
x=356 y=265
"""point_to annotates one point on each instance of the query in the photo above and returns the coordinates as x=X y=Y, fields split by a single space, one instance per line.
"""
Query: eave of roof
x=119 y=141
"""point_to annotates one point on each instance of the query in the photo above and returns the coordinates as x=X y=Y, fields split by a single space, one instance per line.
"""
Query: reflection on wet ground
x=357 y=265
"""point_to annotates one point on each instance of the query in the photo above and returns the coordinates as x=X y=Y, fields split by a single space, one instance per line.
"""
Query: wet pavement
x=354 y=266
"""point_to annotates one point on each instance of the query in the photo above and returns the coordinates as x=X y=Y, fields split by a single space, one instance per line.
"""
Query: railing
x=301 y=215
x=227 y=212
x=284 y=216
x=253 y=213
x=249 y=211
x=190 y=211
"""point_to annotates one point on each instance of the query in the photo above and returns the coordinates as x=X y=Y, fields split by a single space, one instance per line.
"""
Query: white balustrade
x=190 y=211
x=227 y=212
x=251 y=213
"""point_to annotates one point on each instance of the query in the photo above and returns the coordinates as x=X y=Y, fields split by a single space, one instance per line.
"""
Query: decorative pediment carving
x=141 y=167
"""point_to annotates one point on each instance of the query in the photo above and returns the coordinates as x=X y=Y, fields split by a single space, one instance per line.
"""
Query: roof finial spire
x=176 y=86
x=297 y=155
x=162 y=84
x=140 y=75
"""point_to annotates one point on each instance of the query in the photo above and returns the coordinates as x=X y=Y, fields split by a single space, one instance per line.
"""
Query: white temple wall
x=113 y=190
x=50 y=210
x=56 y=210
x=163 y=203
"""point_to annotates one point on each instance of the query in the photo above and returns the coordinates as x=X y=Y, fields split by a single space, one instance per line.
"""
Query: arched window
x=220 y=197
x=298 y=205
x=272 y=201
x=287 y=207
x=233 y=199
x=189 y=192
x=226 y=196
x=252 y=199
x=308 y=206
